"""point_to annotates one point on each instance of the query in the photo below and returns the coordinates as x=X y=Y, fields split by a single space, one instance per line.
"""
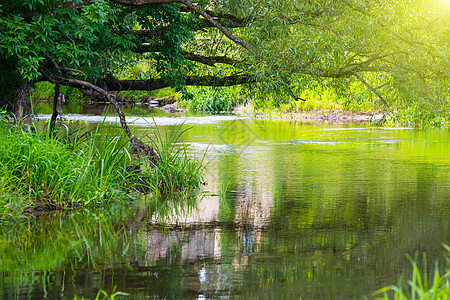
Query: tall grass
x=420 y=286
x=83 y=169
x=51 y=172
x=175 y=171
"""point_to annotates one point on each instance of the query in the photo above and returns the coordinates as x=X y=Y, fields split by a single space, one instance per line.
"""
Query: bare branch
x=383 y=85
x=293 y=95
x=210 y=60
x=148 y=48
x=368 y=61
x=84 y=84
x=152 y=34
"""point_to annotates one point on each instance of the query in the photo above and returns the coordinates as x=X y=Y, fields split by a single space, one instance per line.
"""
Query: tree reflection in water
x=303 y=211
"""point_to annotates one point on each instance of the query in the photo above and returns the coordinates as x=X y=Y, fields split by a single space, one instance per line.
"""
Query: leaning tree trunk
x=138 y=148
x=22 y=104
x=55 y=109
x=58 y=102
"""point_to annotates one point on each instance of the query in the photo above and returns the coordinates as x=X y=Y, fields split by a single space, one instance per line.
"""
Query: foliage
x=34 y=31
x=95 y=38
x=214 y=100
x=391 y=55
x=424 y=114
x=419 y=287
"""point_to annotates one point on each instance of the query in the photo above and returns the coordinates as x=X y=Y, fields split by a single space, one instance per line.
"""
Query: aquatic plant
x=419 y=286
x=103 y=295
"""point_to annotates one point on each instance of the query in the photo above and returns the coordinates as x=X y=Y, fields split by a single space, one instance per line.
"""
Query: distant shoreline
x=323 y=115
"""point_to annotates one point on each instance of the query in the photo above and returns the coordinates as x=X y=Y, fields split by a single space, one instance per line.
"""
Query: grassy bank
x=322 y=103
x=80 y=169
x=328 y=104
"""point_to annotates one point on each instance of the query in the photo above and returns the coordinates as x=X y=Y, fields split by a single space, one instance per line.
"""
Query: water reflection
x=290 y=211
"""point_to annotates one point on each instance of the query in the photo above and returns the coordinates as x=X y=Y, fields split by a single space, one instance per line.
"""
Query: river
x=289 y=211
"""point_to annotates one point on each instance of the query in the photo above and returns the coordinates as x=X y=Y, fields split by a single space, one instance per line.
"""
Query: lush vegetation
x=393 y=55
x=79 y=169
x=213 y=100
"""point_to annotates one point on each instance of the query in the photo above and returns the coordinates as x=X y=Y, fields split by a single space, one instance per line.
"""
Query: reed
x=419 y=286
x=175 y=173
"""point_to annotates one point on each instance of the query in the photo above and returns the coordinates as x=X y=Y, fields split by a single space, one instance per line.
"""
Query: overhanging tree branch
x=210 y=60
x=114 y=84
x=137 y=146
x=374 y=90
x=367 y=62
x=222 y=28
x=207 y=60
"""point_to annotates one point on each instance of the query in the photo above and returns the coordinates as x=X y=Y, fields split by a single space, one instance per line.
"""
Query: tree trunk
x=22 y=104
x=55 y=109
x=58 y=102
x=138 y=148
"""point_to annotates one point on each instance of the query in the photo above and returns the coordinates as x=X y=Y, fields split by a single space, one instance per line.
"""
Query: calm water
x=289 y=211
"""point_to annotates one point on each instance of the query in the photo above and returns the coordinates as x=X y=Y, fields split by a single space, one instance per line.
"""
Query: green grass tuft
x=419 y=286
x=174 y=172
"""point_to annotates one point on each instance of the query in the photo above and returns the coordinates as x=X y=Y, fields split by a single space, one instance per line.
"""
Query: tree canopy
x=397 y=50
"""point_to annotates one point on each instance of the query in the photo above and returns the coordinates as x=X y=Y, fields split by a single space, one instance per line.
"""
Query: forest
x=306 y=154
x=393 y=55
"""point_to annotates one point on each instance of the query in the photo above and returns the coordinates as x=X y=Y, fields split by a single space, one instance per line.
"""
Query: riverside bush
x=174 y=171
x=216 y=100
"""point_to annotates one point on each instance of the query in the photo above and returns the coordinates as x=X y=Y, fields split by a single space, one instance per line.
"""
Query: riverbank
x=334 y=116
x=87 y=169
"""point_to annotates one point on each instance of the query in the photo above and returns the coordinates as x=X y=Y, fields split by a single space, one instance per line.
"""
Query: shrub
x=216 y=100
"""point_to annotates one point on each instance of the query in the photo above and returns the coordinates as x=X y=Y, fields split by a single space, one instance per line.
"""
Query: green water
x=289 y=211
